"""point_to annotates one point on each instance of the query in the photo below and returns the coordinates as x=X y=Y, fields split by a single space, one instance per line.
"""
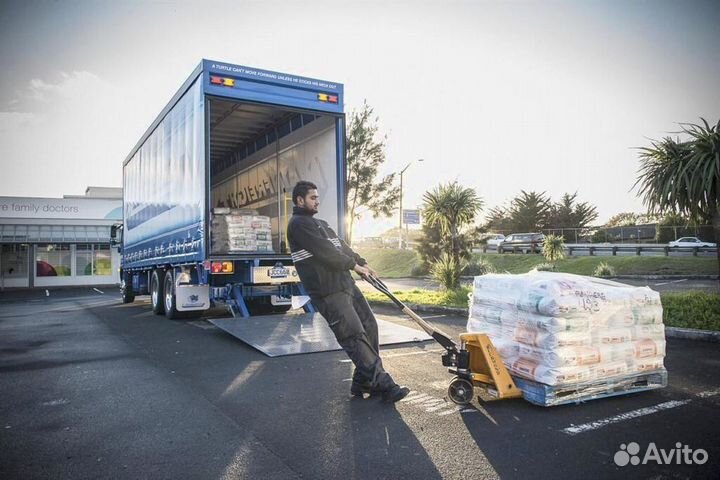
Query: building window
x=92 y=259
x=101 y=260
x=53 y=260
x=84 y=259
x=14 y=261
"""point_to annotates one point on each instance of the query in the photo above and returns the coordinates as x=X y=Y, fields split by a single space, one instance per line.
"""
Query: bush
x=545 y=267
x=553 y=248
x=419 y=270
x=447 y=271
x=604 y=270
x=691 y=310
x=478 y=267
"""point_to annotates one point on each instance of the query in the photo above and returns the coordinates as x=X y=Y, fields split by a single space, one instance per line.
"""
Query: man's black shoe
x=357 y=389
x=395 y=393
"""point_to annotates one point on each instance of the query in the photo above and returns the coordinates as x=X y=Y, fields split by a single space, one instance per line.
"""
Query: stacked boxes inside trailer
x=237 y=230
x=569 y=338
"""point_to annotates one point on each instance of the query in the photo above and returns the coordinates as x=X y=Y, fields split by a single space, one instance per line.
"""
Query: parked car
x=522 y=242
x=690 y=242
x=494 y=240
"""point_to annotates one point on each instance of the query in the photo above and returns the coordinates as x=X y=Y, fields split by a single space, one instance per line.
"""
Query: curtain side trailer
x=207 y=189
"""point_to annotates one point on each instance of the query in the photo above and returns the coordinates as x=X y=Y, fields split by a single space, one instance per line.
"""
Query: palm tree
x=554 y=248
x=451 y=207
x=684 y=177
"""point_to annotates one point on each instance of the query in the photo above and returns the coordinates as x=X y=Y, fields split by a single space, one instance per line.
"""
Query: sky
x=500 y=96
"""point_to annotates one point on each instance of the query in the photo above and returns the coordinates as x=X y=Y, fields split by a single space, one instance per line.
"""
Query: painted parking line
x=641 y=412
x=435 y=405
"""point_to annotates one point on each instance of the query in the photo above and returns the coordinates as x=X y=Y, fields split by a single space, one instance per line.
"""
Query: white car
x=495 y=240
x=690 y=242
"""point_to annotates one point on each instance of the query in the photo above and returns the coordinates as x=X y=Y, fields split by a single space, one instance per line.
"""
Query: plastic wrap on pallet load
x=240 y=231
x=562 y=329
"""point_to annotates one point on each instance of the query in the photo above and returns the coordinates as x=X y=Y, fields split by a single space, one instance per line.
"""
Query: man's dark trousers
x=356 y=330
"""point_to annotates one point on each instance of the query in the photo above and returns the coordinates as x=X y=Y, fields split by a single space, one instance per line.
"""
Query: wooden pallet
x=547 y=396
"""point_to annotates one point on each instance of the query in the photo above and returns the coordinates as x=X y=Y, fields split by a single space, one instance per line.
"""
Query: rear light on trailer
x=222 y=81
x=221 y=267
x=324 y=97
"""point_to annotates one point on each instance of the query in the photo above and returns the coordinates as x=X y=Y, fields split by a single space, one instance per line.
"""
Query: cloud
x=57 y=137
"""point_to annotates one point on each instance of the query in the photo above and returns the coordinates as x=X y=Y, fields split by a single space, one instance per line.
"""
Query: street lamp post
x=401 y=209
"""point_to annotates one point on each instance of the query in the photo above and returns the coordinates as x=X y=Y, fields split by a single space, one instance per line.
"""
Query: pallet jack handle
x=441 y=337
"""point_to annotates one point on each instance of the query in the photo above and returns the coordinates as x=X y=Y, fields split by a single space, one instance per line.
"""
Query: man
x=323 y=262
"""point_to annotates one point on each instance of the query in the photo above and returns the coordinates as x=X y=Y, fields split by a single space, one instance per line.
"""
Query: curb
x=673 y=332
x=666 y=277
x=692 y=334
x=426 y=308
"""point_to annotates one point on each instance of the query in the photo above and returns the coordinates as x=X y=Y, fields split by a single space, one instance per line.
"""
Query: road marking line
x=586 y=427
x=411 y=396
x=575 y=429
x=202 y=324
x=387 y=436
x=420 y=398
x=487 y=414
x=709 y=393
x=441 y=405
x=47 y=293
x=99 y=291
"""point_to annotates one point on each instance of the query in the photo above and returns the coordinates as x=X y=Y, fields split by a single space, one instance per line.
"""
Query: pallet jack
x=475 y=362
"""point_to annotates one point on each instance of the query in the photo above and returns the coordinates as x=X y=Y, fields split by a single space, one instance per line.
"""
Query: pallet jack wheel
x=460 y=391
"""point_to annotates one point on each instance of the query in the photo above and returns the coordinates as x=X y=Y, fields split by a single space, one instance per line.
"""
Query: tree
x=451 y=207
x=365 y=154
x=626 y=219
x=498 y=220
x=684 y=176
x=433 y=243
x=569 y=213
x=530 y=211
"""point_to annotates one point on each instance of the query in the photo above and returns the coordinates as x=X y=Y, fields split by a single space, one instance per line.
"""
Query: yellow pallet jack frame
x=475 y=362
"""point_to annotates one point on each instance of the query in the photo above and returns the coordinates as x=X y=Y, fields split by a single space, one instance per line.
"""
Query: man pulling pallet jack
x=323 y=261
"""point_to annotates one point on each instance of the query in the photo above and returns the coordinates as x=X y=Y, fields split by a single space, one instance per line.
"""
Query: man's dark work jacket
x=322 y=259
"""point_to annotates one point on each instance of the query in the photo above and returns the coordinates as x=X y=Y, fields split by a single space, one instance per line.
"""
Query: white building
x=59 y=241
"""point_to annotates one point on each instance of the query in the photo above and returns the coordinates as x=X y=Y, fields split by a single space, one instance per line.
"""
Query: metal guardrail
x=637 y=248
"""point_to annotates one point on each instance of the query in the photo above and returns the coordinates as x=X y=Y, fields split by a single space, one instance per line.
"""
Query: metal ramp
x=293 y=334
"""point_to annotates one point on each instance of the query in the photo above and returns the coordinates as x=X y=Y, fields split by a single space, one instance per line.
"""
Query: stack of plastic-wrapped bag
x=237 y=230
x=571 y=332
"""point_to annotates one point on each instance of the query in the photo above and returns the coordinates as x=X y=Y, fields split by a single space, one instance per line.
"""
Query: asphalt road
x=95 y=389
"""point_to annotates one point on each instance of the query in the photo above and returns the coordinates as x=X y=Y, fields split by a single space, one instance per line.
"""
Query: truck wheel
x=171 y=311
x=128 y=296
x=156 y=293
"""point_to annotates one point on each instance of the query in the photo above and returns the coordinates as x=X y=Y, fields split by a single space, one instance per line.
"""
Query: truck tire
x=171 y=311
x=128 y=296
x=156 y=292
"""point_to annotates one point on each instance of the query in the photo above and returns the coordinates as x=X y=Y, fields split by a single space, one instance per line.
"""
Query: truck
x=207 y=190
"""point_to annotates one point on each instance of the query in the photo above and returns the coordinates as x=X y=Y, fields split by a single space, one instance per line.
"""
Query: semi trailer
x=207 y=189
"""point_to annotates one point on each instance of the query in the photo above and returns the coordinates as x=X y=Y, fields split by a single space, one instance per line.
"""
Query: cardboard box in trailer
x=207 y=189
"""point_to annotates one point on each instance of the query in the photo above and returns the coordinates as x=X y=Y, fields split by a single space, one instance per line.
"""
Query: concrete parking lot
x=92 y=388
